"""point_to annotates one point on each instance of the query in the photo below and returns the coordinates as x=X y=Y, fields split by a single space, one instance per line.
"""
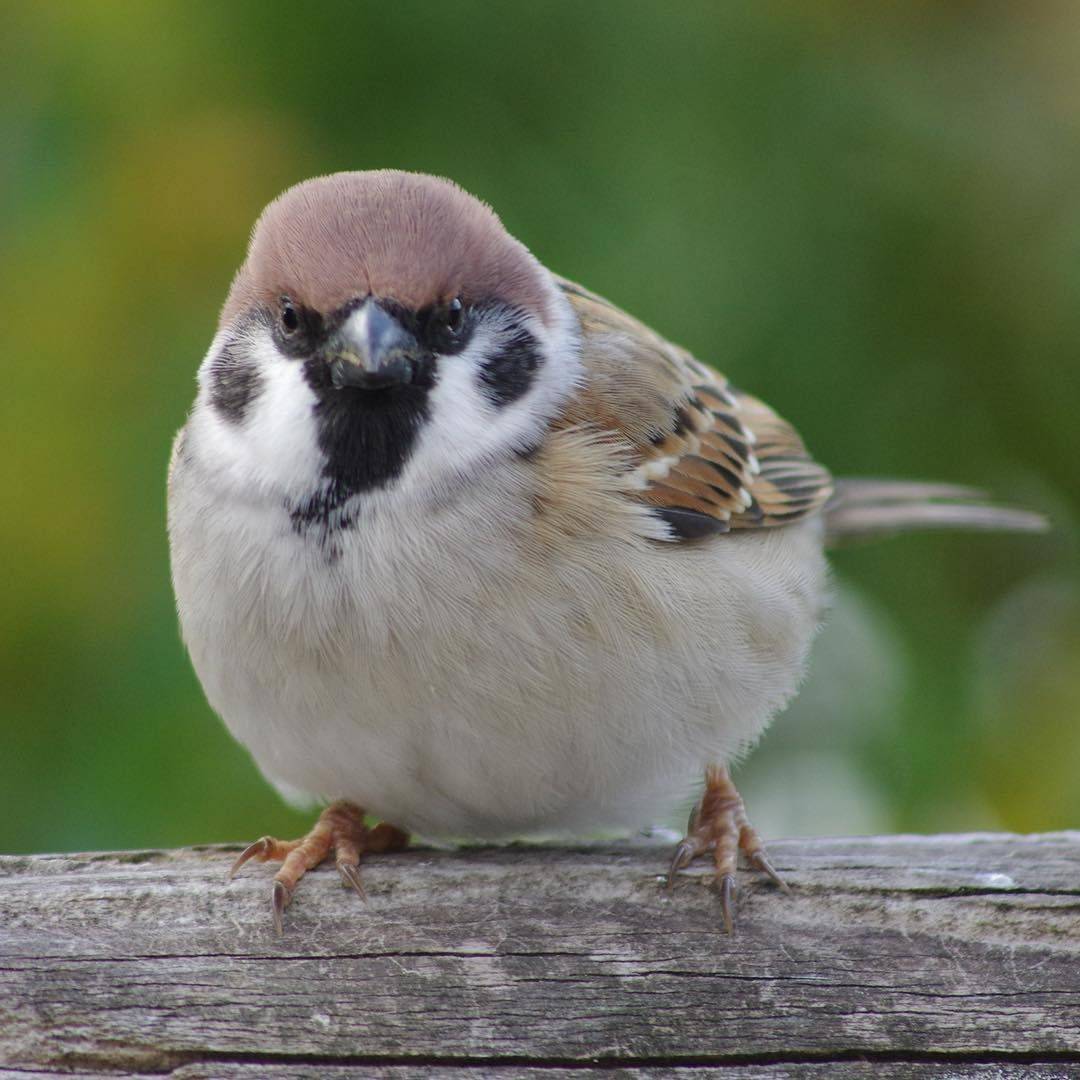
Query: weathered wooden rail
x=945 y=956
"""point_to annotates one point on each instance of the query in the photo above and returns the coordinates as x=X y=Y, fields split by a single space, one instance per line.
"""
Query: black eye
x=454 y=315
x=444 y=326
x=290 y=318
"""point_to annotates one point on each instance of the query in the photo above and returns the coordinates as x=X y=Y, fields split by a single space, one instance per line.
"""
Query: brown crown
x=405 y=236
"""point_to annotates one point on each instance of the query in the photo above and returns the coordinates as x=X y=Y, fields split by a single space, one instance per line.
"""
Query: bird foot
x=341 y=830
x=719 y=824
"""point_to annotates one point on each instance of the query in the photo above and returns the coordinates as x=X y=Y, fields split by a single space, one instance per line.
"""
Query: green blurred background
x=867 y=214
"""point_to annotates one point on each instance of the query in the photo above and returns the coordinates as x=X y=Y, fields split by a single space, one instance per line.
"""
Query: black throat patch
x=366 y=437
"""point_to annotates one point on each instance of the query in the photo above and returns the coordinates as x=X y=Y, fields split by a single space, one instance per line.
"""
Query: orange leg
x=719 y=824
x=341 y=830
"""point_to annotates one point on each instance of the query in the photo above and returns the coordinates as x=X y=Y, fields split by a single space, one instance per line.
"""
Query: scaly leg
x=341 y=830
x=719 y=823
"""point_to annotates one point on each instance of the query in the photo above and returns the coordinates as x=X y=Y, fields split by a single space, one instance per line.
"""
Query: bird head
x=385 y=332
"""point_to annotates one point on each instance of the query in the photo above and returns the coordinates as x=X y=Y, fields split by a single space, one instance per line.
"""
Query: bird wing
x=708 y=457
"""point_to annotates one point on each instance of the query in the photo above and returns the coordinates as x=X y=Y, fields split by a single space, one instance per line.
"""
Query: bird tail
x=864 y=509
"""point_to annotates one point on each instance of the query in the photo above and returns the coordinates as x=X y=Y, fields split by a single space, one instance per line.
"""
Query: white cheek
x=274 y=448
x=459 y=427
x=464 y=428
x=281 y=426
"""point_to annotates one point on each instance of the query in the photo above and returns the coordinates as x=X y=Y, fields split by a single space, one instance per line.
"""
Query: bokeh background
x=867 y=214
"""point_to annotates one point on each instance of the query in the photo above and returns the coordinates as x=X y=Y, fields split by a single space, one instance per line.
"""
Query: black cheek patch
x=508 y=374
x=234 y=382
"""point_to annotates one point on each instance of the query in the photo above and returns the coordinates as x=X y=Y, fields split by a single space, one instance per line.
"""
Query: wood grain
x=947 y=956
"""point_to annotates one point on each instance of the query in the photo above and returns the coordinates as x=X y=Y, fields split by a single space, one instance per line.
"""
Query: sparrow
x=460 y=547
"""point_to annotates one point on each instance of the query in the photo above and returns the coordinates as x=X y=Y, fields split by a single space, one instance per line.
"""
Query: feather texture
x=706 y=456
x=865 y=509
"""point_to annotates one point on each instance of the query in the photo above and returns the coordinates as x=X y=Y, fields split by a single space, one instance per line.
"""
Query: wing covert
x=709 y=458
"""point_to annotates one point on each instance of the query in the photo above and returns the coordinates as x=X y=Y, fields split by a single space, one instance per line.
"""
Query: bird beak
x=372 y=350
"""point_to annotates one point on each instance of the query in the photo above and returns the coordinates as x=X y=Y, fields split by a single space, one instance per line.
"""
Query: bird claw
x=280 y=899
x=719 y=824
x=683 y=856
x=727 y=902
x=350 y=875
x=759 y=861
x=340 y=830
x=260 y=849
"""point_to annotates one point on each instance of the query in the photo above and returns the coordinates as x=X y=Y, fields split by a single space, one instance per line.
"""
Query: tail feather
x=862 y=509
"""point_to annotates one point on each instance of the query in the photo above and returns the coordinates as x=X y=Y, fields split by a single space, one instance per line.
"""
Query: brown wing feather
x=710 y=458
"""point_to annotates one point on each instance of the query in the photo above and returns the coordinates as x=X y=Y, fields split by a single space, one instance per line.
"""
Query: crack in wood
x=172 y=1062
x=897 y=954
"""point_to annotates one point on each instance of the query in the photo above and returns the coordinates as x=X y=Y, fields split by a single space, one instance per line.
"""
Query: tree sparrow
x=457 y=541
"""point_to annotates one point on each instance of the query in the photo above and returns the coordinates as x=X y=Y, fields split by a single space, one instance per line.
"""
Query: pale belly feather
x=519 y=695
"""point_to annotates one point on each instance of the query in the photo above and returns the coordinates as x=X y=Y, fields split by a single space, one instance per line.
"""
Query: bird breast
x=480 y=667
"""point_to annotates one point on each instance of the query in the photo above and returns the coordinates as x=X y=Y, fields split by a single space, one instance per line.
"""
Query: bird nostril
x=337 y=375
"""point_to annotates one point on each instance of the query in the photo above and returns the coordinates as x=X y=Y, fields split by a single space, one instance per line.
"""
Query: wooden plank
x=819 y=1071
x=956 y=955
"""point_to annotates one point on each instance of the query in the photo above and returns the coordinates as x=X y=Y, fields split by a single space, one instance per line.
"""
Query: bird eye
x=454 y=315
x=442 y=326
x=290 y=318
